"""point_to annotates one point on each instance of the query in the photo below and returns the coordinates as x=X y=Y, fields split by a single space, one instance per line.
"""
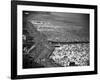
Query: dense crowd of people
x=72 y=54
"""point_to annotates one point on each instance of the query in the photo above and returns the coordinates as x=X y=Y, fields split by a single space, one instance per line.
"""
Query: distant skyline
x=64 y=18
